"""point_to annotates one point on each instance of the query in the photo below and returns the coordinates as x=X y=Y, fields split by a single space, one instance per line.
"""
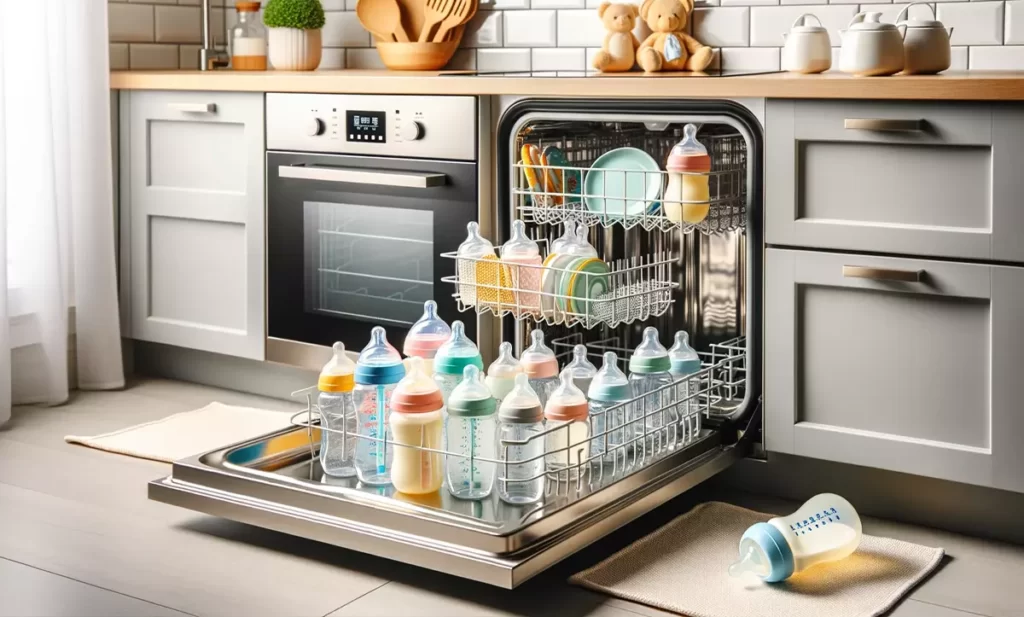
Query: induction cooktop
x=597 y=74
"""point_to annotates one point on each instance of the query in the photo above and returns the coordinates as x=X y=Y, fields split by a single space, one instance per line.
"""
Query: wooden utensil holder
x=419 y=56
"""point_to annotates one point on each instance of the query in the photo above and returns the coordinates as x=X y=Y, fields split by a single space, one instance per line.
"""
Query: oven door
x=354 y=242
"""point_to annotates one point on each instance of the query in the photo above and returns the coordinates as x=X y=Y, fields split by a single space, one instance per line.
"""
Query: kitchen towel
x=188 y=433
x=683 y=566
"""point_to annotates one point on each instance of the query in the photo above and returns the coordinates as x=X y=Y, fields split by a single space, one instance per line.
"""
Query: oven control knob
x=411 y=131
x=315 y=127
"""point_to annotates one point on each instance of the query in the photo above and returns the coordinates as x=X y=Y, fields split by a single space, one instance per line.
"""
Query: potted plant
x=294 y=33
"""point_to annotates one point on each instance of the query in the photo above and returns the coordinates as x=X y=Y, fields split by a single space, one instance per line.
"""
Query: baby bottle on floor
x=416 y=423
x=453 y=357
x=501 y=374
x=426 y=336
x=470 y=432
x=521 y=417
x=608 y=390
x=338 y=415
x=649 y=372
x=540 y=366
x=686 y=364
x=378 y=369
x=687 y=194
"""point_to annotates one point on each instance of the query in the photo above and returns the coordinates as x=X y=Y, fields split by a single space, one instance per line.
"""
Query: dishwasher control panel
x=437 y=127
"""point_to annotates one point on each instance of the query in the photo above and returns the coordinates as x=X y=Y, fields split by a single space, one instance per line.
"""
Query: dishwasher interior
x=701 y=277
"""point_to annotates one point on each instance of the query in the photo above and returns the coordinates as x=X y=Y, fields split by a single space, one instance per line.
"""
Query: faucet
x=210 y=57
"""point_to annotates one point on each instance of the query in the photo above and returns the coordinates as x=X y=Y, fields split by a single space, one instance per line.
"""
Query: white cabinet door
x=919 y=377
x=197 y=220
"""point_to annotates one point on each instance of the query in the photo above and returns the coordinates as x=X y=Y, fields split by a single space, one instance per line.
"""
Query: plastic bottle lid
x=427 y=334
x=379 y=363
x=502 y=372
x=650 y=356
x=336 y=375
x=562 y=243
x=519 y=245
x=567 y=402
x=471 y=398
x=538 y=360
x=685 y=360
x=475 y=245
x=767 y=554
x=457 y=353
x=417 y=392
x=522 y=405
x=610 y=384
x=689 y=154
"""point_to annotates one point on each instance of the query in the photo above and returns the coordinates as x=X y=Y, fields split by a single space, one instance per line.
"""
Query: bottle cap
x=538 y=360
x=471 y=398
x=519 y=245
x=562 y=243
x=336 y=375
x=475 y=245
x=610 y=384
x=379 y=363
x=502 y=372
x=566 y=402
x=650 y=355
x=457 y=352
x=765 y=552
x=417 y=392
x=689 y=154
x=684 y=359
x=580 y=368
x=427 y=334
x=522 y=405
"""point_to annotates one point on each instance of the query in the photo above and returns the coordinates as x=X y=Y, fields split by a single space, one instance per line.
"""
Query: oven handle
x=409 y=179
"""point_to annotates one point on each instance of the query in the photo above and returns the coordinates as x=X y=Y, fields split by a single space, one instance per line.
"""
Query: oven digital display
x=366 y=126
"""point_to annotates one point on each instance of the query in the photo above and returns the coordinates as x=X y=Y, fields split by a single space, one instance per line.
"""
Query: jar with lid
x=248 y=39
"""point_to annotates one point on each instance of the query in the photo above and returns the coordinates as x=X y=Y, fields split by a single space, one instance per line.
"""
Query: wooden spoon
x=434 y=12
x=382 y=18
x=462 y=12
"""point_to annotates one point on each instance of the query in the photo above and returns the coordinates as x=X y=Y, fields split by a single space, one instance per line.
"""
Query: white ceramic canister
x=870 y=47
x=807 y=47
x=926 y=48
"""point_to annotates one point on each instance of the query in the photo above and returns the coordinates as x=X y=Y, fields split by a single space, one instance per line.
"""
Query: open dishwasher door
x=705 y=278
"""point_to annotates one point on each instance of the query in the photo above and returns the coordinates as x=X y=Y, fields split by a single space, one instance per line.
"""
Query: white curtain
x=58 y=318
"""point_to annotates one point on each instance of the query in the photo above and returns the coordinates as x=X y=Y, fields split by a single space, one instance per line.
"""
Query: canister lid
x=803 y=24
x=903 y=19
x=869 y=22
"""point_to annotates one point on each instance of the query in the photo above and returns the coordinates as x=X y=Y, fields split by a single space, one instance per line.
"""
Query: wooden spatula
x=462 y=12
x=434 y=12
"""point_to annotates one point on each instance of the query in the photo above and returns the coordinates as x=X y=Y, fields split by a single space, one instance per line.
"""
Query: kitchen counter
x=976 y=86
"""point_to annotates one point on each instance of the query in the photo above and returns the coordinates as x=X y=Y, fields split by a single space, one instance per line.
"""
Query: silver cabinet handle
x=409 y=179
x=883 y=124
x=194 y=108
x=883 y=274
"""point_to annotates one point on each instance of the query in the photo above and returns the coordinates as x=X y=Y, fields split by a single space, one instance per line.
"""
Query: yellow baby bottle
x=687 y=194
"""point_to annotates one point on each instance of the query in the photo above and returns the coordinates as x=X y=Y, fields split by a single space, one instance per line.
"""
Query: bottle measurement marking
x=818 y=520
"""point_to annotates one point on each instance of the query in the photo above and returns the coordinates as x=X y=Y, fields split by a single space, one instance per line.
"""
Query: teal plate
x=589 y=280
x=623 y=182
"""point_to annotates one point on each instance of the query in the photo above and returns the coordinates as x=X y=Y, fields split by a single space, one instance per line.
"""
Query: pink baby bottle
x=522 y=255
x=426 y=336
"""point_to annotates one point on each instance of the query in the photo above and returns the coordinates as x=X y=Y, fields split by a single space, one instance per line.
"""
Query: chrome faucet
x=210 y=57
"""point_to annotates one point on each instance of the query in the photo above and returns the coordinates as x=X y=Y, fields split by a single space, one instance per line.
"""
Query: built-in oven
x=364 y=193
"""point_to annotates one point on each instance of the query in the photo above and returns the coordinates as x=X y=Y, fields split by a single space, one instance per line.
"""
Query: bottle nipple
x=379 y=363
x=650 y=355
x=519 y=245
x=564 y=243
x=522 y=404
x=427 y=334
x=567 y=402
x=505 y=366
x=474 y=245
x=685 y=359
x=336 y=375
x=689 y=154
x=582 y=247
x=752 y=562
x=581 y=369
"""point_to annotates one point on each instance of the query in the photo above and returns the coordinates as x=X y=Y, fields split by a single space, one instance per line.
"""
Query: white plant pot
x=291 y=49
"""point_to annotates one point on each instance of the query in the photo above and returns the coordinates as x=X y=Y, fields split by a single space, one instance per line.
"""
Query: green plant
x=301 y=14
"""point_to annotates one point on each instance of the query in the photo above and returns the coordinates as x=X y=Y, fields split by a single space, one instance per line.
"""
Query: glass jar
x=248 y=39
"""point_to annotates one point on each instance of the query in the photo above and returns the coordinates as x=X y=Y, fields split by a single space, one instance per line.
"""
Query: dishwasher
x=704 y=278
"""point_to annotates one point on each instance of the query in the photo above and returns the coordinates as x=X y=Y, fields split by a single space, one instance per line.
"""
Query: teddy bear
x=669 y=48
x=618 y=52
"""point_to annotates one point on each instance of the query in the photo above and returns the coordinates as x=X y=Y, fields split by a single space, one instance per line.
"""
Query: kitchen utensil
x=462 y=11
x=588 y=280
x=622 y=182
x=568 y=181
x=382 y=18
x=807 y=48
x=536 y=175
x=926 y=47
x=434 y=12
x=870 y=47
x=418 y=56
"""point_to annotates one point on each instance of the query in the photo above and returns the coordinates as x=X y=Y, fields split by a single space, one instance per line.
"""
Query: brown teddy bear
x=669 y=48
x=619 y=50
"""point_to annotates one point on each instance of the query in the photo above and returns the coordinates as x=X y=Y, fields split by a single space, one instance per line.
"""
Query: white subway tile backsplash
x=462 y=60
x=1006 y=58
x=130 y=23
x=750 y=2
x=343 y=29
x=559 y=59
x=332 y=58
x=1014 y=33
x=591 y=53
x=149 y=56
x=152 y=1
x=484 y=30
x=974 y=23
x=958 y=59
x=503 y=59
x=335 y=5
x=501 y=5
x=178 y=24
x=580 y=29
x=891 y=11
x=188 y=57
x=530 y=28
x=767 y=24
x=806 y=2
x=118 y=56
x=750 y=58
x=722 y=26
x=366 y=58
x=558 y=4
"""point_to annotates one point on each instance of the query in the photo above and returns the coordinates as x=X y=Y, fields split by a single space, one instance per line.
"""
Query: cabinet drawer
x=918 y=377
x=932 y=179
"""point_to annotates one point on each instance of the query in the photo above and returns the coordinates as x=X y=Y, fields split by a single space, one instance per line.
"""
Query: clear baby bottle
x=483 y=279
x=501 y=374
x=470 y=435
x=580 y=368
x=337 y=415
x=426 y=336
x=567 y=446
x=416 y=423
x=522 y=255
x=521 y=417
x=582 y=246
x=608 y=391
x=453 y=357
x=826 y=528
x=562 y=243
x=378 y=369
x=687 y=193
x=540 y=366
x=649 y=369
x=686 y=363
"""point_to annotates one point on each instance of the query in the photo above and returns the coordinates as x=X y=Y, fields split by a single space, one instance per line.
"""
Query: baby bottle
x=521 y=417
x=580 y=368
x=582 y=246
x=649 y=368
x=416 y=421
x=426 y=336
x=826 y=528
x=562 y=243
x=686 y=195
x=540 y=366
x=608 y=391
x=501 y=374
x=338 y=415
x=685 y=363
x=378 y=369
x=568 y=445
x=470 y=434
x=526 y=275
x=482 y=278
x=453 y=357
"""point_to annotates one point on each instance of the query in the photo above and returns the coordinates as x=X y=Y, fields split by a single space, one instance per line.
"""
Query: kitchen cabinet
x=919 y=377
x=193 y=219
x=914 y=178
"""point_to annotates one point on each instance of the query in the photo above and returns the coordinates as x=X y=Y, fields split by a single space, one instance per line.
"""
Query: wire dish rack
x=623 y=438
x=562 y=193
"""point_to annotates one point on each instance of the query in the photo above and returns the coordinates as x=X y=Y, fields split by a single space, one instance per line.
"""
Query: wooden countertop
x=974 y=85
